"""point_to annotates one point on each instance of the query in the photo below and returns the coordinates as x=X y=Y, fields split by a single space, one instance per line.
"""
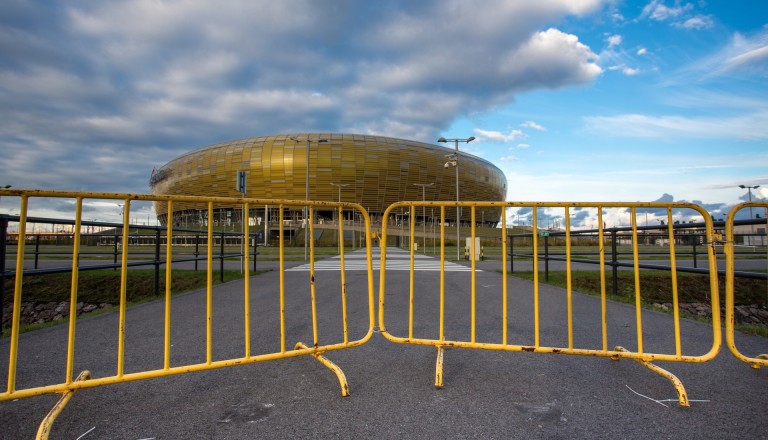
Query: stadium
x=372 y=171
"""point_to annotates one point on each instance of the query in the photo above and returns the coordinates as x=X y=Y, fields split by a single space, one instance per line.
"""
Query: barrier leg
x=682 y=396
x=45 y=427
x=439 y=368
x=335 y=368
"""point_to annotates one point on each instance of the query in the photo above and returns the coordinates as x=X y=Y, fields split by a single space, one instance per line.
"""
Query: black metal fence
x=690 y=241
x=109 y=240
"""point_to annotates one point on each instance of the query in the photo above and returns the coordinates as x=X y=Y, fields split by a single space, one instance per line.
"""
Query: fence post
x=157 y=262
x=695 y=239
x=221 y=265
x=114 y=252
x=255 y=246
x=546 y=258
x=197 y=249
x=614 y=261
x=37 y=248
x=3 y=248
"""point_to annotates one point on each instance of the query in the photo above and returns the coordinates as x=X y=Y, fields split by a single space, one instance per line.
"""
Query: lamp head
x=470 y=139
x=442 y=139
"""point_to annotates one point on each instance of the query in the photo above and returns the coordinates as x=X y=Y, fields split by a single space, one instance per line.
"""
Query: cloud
x=642 y=51
x=533 y=125
x=752 y=126
x=629 y=71
x=509 y=158
x=614 y=40
x=696 y=23
x=523 y=146
x=657 y=10
x=499 y=136
x=115 y=87
x=681 y=15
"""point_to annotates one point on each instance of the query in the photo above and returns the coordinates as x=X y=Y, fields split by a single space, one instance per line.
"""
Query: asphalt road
x=487 y=394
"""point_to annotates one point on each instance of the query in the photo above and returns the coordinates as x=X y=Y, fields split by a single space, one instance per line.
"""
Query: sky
x=575 y=100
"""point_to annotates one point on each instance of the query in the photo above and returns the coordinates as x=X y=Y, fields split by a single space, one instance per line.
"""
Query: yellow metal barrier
x=16 y=390
x=760 y=360
x=503 y=339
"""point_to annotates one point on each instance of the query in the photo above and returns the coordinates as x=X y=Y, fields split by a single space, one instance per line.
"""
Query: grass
x=103 y=286
x=656 y=287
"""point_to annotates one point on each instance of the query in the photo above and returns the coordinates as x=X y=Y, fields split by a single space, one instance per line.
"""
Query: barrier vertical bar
x=603 y=293
x=473 y=287
x=442 y=273
x=343 y=274
x=123 y=287
x=412 y=228
x=638 y=303
x=246 y=280
x=535 y=244
x=312 y=274
x=673 y=275
x=440 y=350
x=504 y=238
x=282 y=278
x=209 y=287
x=73 y=291
x=569 y=276
x=19 y=275
x=168 y=282
x=157 y=261
x=3 y=248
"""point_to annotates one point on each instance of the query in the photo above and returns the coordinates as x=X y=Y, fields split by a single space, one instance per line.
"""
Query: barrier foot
x=682 y=396
x=439 y=368
x=45 y=427
x=757 y=365
x=335 y=368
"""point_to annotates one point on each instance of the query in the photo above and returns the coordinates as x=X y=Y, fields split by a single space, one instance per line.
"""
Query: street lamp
x=306 y=191
x=453 y=160
x=424 y=187
x=749 y=195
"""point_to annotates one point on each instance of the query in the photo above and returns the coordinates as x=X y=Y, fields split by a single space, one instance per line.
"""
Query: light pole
x=453 y=160
x=424 y=187
x=340 y=186
x=306 y=191
x=749 y=195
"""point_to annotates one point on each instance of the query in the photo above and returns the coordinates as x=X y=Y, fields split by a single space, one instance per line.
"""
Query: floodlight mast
x=454 y=161
x=306 y=190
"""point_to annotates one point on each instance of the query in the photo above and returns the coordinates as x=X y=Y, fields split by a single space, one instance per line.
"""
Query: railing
x=252 y=350
x=756 y=361
x=686 y=235
x=436 y=330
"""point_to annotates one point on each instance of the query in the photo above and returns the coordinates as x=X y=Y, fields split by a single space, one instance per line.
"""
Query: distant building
x=373 y=171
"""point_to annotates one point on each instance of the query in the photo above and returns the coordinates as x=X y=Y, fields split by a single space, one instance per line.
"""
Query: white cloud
x=642 y=51
x=523 y=146
x=657 y=10
x=499 y=136
x=696 y=23
x=614 y=40
x=753 y=126
x=743 y=55
x=533 y=125
x=629 y=71
x=509 y=158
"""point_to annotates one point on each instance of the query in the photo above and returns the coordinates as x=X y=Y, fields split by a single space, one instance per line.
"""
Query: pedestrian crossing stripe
x=398 y=260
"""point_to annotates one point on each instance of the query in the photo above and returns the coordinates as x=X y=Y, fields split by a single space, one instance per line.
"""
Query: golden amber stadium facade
x=373 y=171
